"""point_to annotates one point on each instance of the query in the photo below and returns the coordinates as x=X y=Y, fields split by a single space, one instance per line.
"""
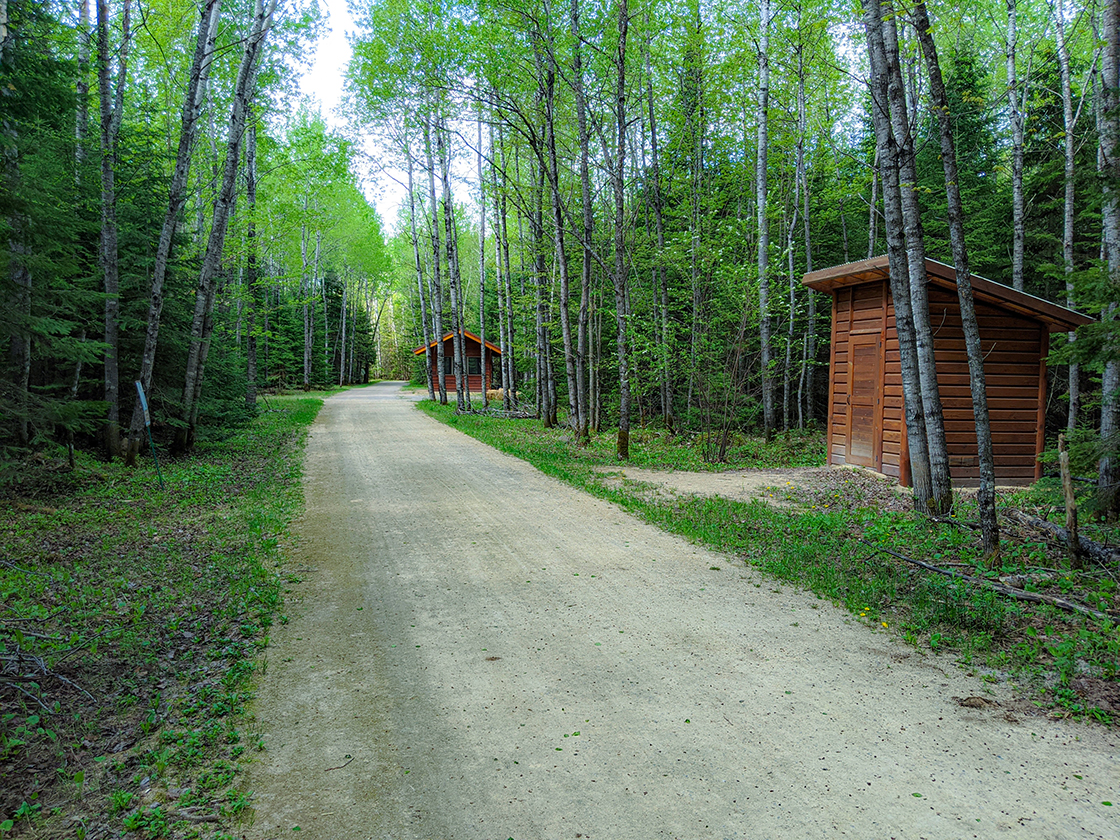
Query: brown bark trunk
x=482 y=267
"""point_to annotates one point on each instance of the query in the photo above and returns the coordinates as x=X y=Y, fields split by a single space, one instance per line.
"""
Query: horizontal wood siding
x=472 y=350
x=474 y=383
x=1012 y=345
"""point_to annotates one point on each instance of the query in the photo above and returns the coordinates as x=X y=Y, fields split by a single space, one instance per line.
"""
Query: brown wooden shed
x=865 y=403
x=472 y=347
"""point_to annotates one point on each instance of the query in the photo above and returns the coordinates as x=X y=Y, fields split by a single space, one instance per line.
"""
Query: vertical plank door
x=864 y=399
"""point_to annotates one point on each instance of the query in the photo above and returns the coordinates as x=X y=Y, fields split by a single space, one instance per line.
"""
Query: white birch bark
x=223 y=207
x=887 y=156
x=986 y=500
x=617 y=175
x=192 y=109
x=762 y=115
x=1108 y=477
x=942 y=499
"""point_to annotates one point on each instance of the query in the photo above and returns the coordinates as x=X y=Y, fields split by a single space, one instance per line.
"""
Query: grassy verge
x=827 y=536
x=132 y=617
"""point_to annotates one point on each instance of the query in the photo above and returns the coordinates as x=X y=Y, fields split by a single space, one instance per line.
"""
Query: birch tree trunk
x=808 y=361
x=499 y=270
x=223 y=207
x=558 y=227
x=321 y=282
x=661 y=280
x=437 y=280
x=1108 y=477
x=873 y=207
x=617 y=175
x=887 y=156
x=482 y=265
x=545 y=409
x=111 y=107
x=192 y=109
x=251 y=280
x=986 y=497
x=941 y=501
x=1018 y=119
x=587 y=226
x=425 y=324
x=509 y=368
x=453 y=278
x=305 y=293
x=342 y=335
x=769 y=418
x=1068 y=195
x=81 y=89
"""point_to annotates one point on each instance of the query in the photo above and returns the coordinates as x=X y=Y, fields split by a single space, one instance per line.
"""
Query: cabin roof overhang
x=466 y=334
x=1057 y=318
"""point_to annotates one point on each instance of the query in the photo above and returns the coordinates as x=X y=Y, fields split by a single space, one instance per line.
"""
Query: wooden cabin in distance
x=472 y=348
x=865 y=404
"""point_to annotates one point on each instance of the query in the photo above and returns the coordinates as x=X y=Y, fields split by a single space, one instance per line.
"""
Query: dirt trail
x=478 y=652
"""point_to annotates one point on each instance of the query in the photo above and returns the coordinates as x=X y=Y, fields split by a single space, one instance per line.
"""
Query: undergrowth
x=131 y=620
x=834 y=540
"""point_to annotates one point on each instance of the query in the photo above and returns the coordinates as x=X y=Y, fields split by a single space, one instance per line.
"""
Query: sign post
x=148 y=426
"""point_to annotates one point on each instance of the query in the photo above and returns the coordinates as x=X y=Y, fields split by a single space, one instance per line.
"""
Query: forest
x=622 y=196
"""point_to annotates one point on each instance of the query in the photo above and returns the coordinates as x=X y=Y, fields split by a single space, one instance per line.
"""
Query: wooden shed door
x=864 y=401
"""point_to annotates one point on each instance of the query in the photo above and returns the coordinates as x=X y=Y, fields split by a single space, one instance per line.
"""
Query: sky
x=324 y=83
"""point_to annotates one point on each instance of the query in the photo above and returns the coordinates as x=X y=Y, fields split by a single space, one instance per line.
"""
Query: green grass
x=146 y=608
x=827 y=540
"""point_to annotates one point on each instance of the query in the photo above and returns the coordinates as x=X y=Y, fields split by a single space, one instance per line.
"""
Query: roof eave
x=1057 y=318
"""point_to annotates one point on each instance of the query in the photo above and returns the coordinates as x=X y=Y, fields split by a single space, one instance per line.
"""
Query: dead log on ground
x=1098 y=552
x=1019 y=594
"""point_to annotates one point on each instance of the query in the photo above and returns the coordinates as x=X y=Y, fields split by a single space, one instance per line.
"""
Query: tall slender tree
x=193 y=101
x=112 y=112
x=986 y=499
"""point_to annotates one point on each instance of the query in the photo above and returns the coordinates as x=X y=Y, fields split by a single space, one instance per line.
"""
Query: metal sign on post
x=148 y=426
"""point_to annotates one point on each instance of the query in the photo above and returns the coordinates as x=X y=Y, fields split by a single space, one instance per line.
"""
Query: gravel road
x=479 y=652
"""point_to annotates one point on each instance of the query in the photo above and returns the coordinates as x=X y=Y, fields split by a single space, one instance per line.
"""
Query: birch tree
x=762 y=107
x=193 y=101
x=112 y=111
x=986 y=499
x=202 y=325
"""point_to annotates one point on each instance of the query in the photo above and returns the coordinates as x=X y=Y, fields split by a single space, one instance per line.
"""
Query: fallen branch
x=1099 y=553
x=194 y=813
x=1019 y=594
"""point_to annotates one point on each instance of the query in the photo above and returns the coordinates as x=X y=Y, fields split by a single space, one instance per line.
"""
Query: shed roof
x=467 y=334
x=1057 y=318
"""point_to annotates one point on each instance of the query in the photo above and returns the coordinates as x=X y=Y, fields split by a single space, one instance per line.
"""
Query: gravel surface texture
x=479 y=652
